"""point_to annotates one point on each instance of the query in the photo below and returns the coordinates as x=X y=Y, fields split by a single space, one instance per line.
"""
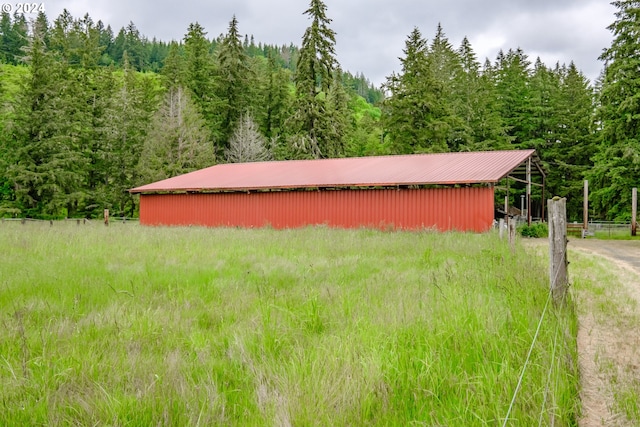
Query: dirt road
x=608 y=301
x=625 y=253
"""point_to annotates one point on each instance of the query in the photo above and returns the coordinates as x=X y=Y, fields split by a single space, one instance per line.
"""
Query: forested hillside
x=87 y=113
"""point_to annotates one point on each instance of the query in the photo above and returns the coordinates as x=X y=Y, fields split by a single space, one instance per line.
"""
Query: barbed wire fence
x=558 y=294
x=78 y=221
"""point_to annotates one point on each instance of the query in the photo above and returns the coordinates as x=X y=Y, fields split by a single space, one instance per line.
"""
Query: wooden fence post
x=106 y=217
x=585 y=209
x=634 y=210
x=512 y=234
x=501 y=228
x=558 y=247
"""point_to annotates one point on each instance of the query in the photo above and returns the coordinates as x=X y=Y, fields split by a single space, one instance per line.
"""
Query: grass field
x=127 y=325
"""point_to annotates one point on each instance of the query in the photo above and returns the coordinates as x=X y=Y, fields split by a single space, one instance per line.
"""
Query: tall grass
x=129 y=325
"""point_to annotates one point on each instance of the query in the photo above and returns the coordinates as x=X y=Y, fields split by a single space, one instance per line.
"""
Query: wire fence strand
x=533 y=343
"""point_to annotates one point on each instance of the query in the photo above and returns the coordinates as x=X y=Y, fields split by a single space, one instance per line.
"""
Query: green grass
x=615 y=234
x=128 y=325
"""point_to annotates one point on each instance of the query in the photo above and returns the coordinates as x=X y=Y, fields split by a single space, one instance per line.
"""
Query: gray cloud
x=371 y=33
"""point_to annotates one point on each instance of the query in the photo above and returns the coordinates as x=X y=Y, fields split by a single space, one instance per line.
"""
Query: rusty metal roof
x=376 y=171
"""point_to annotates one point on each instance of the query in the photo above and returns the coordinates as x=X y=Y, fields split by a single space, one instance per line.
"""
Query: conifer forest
x=88 y=112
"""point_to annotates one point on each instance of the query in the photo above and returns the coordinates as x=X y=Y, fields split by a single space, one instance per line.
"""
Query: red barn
x=448 y=191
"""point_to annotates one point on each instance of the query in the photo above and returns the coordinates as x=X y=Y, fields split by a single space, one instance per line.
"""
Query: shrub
x=534 y=230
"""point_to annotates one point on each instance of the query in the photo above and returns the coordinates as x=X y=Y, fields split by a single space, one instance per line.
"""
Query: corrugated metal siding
x=465 y=209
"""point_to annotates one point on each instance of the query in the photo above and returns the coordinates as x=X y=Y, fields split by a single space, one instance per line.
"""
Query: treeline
x=78 y=129
x=444 y=99
x=87 y=115
x=146 y=55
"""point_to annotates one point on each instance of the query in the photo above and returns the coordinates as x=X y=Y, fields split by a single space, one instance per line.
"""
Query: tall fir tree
x=6 y=51
x=338 y=117
x=446 y=67
x=174 y=71
x=199 y=77
x=568 y=149
x=234 y=83
x=313 y=78
x=617 y=163
x=106 y=42
x=477 y=105
x=412 y=109
x=276 y=98
x=13 y=37
x=6 y=190
x=178 y=140
x=511 y=74
x=133 y=103
x=47 y=167
x=544 y=97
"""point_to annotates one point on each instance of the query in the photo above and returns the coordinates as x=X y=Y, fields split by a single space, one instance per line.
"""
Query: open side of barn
x=451 y=191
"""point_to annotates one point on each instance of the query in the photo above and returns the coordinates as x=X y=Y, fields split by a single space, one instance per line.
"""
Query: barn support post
x=634 y=210
x=558 y=248
x=529 y=191
x=544 y=183
x=506 y=206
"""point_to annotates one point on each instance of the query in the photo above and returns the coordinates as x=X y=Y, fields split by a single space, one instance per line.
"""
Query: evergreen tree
x=446 y=68
x=174 y=68
x=199 y=61
x=338 y=117
x=134 y=46
x=313 y=78
x=116 y=49
x=132 y=106
x=157 y=53
x=568 y=150
x=6 y=189
x=477 y=105
x=544 y=98
x=276 y=98
x=106 y=43
x=234 y=83
x=361 y=86
x=199 y=72
x=6 y=52
x=47 y=167
x=316 y=61
x=412 y=112
x=617 y=164
x=13 y=38
x=178 y=140
x=99 y=148
x=512 y=75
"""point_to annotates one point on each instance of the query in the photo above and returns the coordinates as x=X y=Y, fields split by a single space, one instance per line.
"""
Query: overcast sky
x=370 y=34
